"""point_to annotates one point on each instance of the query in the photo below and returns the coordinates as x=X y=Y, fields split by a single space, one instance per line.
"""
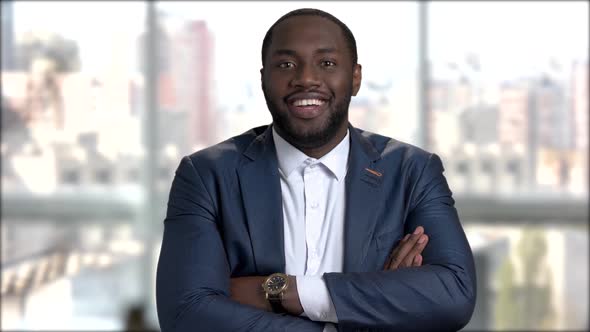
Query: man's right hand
x=408 y=251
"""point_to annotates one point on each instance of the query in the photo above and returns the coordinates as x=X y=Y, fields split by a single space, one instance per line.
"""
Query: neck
x=321 y=151
x=318 y=151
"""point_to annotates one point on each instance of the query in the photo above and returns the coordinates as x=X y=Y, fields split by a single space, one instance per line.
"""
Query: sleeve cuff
x=315 y=299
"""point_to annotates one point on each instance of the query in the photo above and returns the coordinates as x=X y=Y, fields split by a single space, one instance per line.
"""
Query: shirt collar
x=337 y=159
x=290 y=157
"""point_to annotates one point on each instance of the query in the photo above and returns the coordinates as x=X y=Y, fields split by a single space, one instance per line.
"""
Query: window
x=68 y=76
x=95 y=122
x=521 y=119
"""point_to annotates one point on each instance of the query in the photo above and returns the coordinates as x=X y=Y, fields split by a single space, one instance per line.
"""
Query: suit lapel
x=363 y=192
x=261 y=194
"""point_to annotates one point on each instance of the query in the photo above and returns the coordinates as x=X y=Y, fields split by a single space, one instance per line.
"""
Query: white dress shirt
x=313 y=192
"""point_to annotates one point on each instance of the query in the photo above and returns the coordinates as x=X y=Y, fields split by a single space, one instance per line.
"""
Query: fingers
x=417 y=260
x=408 y=251
x=411 y=259
x=404 y=248
x=394 y=252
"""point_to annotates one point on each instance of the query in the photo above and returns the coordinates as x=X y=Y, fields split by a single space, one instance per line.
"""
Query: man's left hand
x=408 y=252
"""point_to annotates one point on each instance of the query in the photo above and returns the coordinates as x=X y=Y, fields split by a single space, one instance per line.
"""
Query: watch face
x=275 y=284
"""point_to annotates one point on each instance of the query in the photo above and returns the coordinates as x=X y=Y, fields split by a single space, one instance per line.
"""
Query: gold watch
x=275 y=286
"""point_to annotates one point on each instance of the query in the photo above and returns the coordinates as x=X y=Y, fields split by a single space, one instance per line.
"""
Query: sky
x=509 y=36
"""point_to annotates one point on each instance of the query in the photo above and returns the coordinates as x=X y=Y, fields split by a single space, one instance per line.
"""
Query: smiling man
x=310 y=224
x=308 y=79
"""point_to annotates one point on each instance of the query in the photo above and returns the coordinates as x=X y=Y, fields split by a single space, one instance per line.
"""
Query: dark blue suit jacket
x=224 y=220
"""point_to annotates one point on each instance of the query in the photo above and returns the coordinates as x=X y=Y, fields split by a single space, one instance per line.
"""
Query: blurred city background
x=100 y=100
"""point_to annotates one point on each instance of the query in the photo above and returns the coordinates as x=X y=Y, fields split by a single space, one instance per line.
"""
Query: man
x=297 y=226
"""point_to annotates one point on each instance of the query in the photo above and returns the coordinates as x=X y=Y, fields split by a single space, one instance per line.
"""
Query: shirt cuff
x=329 y=327
x=315 y=299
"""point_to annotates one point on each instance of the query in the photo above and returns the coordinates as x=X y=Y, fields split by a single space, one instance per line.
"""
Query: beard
x=310 y=138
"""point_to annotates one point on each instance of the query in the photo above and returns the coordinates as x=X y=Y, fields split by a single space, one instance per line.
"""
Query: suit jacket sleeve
x=192 y=283
x=439 y=295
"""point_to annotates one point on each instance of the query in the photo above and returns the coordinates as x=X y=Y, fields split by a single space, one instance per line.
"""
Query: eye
x=328 y=63
x=286 y=64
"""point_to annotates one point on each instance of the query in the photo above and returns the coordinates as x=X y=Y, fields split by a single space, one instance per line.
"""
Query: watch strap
x=276 y=303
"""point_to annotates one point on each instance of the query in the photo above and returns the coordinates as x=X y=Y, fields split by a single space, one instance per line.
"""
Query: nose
x=306 y=76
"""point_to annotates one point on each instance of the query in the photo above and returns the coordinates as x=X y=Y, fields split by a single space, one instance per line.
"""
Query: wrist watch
x=275 y=286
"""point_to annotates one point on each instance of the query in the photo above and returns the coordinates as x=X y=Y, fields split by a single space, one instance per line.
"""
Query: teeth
x=308 y=102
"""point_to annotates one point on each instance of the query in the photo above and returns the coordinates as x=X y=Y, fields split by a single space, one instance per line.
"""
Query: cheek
x=274 y=88
x=342 y=89
x=340 y=83
x=279 y=79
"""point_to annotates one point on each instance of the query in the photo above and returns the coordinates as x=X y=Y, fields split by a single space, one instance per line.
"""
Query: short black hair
x=312 y=12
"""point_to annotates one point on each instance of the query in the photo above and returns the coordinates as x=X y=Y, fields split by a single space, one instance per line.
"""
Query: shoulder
x=396 y=151
x=403 y=160
x=227 y=154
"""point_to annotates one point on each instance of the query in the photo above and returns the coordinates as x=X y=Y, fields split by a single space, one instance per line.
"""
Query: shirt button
x=324 y=315
x=314 y=205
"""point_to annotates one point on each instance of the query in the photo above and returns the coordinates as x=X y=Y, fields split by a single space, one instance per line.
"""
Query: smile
x=307 y=108
x=308 y=102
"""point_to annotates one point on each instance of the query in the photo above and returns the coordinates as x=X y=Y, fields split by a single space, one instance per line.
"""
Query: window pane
x=529 y=278
x=508 y=114
x=210 y=70
x=71 y=156
x=509 y=96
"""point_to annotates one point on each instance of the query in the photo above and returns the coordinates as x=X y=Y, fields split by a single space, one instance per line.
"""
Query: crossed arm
x=194 y=289
x=248 y=290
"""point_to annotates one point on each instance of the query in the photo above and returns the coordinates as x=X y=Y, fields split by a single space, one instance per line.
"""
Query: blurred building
x=552 y=133
x=448 y=100
x=185 y=84
x=535 y=116
x=552 y=114
x=479 y=125
x=580 y=108
x=7 y=36
x=513 y=119
x=88 y=149
x=531 y=129
x=580 y=104
x=202 y=121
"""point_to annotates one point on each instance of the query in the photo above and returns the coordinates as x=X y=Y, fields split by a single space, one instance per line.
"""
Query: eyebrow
x=289 y=52
x=280 y=52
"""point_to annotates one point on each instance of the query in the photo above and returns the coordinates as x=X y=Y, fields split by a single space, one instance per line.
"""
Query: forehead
x=309 y=32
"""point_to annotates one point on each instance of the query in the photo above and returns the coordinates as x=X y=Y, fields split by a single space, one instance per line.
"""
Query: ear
x=357 y=76
x=262 y=77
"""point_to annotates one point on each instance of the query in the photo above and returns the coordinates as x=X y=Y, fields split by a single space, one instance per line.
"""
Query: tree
x=60 y=50
x=44 y=56
x=526 y=305
x=506 y=311
x=532 y=248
